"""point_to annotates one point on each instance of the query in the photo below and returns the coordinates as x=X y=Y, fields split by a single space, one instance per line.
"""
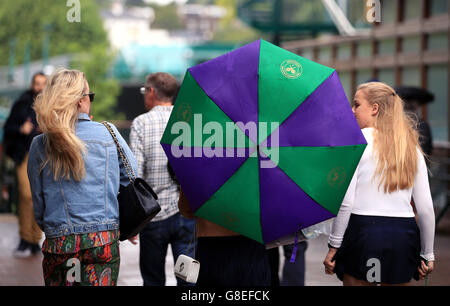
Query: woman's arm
x=183 y=206
x=340 y=223
x=425 y=211
x=35 y=178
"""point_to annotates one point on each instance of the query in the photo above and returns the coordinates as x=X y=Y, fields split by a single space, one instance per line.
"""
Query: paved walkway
x=29 y=271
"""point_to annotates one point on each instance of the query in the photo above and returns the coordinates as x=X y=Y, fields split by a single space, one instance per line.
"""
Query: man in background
x=169 y=226
x=20 y=129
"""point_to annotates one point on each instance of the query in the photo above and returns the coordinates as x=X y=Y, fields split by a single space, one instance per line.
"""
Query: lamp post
x=46 y=44
x=26 y=62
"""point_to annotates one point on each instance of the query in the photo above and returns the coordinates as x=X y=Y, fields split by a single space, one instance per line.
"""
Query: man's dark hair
x=39 y=73
x=165 y=85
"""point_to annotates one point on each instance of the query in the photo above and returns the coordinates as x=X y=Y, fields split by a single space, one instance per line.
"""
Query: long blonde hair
x=56 y=113
x=396 y=139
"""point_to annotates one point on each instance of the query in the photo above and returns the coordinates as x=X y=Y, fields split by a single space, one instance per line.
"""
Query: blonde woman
x=375 y=238
x=75 y=172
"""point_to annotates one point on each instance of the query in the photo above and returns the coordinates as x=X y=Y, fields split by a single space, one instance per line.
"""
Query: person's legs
x=55 y=268
x=274 y=260
x=97 y=266
x=294 y=273
x=182 y=239
x=153 y=242
x=28 y=228
x=100 y=265
x=351 y=281
x=232 y=261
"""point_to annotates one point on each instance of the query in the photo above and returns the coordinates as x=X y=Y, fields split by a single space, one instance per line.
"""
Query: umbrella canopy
x=263 y=141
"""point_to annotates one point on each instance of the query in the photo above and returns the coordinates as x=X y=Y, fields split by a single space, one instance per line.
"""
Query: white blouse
x=363 y=197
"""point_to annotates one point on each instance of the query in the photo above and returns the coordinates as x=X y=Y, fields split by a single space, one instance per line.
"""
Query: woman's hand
x=134 y=240
x=27 y=127
x=329 y=263
x=424 y=270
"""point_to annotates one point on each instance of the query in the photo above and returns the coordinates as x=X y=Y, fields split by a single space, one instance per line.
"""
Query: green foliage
x=205 y=2
x=25 y=20
x=95 y=65
x=135 y=3
x=166 y=17
x=303 y=11
x=231 y=29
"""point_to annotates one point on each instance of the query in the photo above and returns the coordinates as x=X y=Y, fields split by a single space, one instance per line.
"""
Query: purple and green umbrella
x=263 y=141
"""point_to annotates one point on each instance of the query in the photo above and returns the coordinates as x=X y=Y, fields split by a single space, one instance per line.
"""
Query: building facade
x=410 y=46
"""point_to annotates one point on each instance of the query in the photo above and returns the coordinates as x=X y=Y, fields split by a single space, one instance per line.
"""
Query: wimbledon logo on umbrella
x=228 y=144
x=291 y=69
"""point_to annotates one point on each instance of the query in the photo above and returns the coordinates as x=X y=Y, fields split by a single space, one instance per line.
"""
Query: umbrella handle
x=294 y=251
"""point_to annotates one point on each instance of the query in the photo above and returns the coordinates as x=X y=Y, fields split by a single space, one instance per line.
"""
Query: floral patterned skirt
x=93 y=266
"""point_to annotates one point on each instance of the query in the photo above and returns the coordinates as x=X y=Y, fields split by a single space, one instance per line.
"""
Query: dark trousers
x=232 y=261
x=154 y=240
x=293 y=273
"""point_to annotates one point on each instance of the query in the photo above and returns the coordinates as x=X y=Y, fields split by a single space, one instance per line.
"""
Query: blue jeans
x=154 y=240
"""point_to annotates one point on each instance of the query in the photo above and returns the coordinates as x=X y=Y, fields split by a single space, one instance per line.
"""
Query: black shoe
x=23 y=250
x=35 y=248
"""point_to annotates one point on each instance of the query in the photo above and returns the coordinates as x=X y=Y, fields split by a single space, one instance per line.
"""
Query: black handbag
x=137 y=201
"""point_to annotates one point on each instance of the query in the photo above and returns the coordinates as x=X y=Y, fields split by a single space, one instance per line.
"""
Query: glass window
x=356 y=11
x=411 y=44
x=438 y=41
x=413 y=9
x=345 y=78
x=387 y=76
x=386 y=47
x=411 y=76
x=438 y=7
x=363 y=76
x=438 y=109
x=344 y=52
x=388 y=11
x=325 y=54
x=364 y=50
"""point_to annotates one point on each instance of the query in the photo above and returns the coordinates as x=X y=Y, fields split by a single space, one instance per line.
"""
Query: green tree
x=25 y=20
x=231 y=29
x=95 y=66
x=166 y=17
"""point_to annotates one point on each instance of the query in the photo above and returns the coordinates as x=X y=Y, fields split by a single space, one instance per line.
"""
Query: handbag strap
x=129 y=170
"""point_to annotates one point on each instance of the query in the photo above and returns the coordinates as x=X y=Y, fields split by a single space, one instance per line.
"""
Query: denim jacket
x=66 y=207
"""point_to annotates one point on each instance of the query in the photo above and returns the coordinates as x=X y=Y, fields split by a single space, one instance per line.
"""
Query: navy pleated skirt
x=380 y=249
